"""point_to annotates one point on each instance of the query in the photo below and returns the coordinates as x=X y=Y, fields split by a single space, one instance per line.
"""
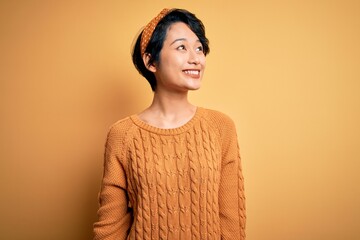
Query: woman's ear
x=146 y=59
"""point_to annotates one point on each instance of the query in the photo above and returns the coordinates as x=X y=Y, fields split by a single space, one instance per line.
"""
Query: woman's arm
x=114 y=215
x=231 y=192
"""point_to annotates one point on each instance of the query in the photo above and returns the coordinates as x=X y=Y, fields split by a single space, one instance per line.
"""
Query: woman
x=173 y=171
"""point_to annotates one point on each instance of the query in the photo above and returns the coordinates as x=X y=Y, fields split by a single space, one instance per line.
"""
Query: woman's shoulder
x=122 y=124
x=217 y=118
x=222 y=123
x=120 y=129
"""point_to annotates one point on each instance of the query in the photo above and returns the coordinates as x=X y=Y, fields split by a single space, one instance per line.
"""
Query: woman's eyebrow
x=177 y=40
x=181 y=39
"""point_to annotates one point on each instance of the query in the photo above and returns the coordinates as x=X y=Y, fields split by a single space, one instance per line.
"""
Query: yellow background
x=287 y=72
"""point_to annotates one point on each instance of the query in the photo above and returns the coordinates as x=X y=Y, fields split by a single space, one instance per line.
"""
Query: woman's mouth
x=192 y=73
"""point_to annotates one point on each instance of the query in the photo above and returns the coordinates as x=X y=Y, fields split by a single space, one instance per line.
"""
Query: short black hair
x=158 y=37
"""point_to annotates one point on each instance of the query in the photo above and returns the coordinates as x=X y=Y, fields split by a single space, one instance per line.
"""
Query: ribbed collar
x=168 y=131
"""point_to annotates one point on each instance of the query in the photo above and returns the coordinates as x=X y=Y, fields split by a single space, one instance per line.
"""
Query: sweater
x=179 y=183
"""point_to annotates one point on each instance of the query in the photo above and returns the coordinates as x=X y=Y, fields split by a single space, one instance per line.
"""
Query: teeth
x=192 y=72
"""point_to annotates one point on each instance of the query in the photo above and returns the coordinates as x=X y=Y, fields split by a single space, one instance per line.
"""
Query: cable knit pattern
x=180 y=183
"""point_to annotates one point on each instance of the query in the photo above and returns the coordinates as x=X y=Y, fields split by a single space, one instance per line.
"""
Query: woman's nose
x=194 y=57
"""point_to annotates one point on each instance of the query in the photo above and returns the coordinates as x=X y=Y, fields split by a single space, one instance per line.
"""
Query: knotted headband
x=149 y=29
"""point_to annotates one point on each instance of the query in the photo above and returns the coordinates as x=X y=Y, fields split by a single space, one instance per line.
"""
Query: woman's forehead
x=180 y=30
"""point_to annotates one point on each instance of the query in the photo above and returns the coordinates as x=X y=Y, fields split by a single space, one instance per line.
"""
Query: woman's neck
x=168 y=110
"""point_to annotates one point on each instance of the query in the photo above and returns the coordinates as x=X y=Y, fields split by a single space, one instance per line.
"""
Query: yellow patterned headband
x=149 y=29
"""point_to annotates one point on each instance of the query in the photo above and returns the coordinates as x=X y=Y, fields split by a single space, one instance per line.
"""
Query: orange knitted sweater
x=180 y=183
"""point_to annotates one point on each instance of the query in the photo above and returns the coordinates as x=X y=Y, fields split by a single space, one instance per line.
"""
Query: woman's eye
x=200 y=49
x=181 y=47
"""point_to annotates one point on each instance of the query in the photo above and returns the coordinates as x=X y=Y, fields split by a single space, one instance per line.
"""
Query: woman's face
x=182 y=61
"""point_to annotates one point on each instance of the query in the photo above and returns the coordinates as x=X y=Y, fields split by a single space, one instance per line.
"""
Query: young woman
x=172 y=171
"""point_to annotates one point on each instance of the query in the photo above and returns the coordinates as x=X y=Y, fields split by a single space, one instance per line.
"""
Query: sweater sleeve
x=231 y=192
x=114 y=215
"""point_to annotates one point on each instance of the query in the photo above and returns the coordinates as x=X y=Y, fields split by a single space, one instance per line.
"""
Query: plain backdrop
x=287 y=73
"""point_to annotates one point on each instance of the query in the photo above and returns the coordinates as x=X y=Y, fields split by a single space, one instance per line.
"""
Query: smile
x=192 y=72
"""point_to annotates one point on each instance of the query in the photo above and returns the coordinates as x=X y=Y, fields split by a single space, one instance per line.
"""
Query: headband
x=149 y=29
